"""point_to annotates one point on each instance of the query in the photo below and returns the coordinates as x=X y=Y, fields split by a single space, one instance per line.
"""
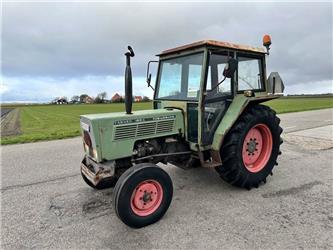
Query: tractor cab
x=193 y=78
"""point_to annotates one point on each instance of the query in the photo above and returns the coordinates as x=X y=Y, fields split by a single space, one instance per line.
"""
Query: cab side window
x=214 y=88
x=249 y=73
x=217 y=94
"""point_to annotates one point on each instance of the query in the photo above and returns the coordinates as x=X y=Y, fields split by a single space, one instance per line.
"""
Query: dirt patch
x=5 y=111
x=293 y=190
x=10 y=123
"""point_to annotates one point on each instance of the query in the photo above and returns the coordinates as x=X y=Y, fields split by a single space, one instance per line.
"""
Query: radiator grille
x=164 y=126
x=124 y=132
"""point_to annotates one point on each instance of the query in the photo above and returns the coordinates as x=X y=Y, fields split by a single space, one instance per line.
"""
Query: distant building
x=88 y=100
x=74 y=101
x=138 y=98
x=116 y=98
x=60 y=100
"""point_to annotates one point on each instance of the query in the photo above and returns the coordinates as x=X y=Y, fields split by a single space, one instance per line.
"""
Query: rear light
x=86 y=138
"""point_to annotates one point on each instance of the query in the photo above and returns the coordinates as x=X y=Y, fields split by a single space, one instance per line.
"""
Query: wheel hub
x=252 y=146
x=146 y=198
x=257 y=147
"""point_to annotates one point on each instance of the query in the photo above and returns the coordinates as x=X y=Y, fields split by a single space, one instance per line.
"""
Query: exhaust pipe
x=128 y=81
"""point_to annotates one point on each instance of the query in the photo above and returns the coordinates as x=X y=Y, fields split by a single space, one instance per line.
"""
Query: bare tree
x=75 y=98
x=100 y=98
x=145 y=99
x=103 y=95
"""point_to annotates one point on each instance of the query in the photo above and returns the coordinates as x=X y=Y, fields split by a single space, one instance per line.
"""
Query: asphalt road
x=45 y=203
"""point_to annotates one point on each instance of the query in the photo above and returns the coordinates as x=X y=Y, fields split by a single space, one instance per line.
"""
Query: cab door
x=218 y=95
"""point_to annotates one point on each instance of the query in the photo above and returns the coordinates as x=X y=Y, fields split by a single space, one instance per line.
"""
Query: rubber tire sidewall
x=255 y=115
x=267 y=169
x=125 y=187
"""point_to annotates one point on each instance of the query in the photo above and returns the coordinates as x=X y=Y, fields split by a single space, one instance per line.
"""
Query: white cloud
x=3 y=88
x=319 y=87
x=52 y=49
x=44 y=89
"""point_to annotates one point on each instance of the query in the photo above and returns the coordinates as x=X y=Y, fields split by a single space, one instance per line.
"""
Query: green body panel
x=235 y=109
x=181 y=105
x=114 y=134
x=239 y=103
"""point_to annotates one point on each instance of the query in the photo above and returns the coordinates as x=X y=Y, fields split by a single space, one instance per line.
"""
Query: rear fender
x=238 y=105
x=235 y=109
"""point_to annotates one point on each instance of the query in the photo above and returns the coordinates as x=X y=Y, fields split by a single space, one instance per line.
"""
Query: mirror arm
x=149 y=85
x=219 y=83
x=267 y=50
x=148 y=76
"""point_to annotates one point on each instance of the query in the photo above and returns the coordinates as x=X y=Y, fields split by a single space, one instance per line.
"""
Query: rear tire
x=251 y=148
x=142 y=195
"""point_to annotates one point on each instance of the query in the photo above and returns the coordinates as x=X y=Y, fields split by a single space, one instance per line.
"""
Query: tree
x=145 y=99
x=103 y=95
x=75 y=99
x=82 y=97
x=100 y=98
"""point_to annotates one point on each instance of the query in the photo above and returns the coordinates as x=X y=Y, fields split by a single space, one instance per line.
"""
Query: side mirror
x=148 y=79
x=230 y=68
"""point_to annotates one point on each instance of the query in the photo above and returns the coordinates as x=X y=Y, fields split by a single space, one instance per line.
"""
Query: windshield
x=179 y=78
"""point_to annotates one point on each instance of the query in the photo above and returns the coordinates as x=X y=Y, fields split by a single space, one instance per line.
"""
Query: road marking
x=289 y=127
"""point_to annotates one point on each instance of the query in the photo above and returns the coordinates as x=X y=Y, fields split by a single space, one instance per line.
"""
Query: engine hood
x=113 y=135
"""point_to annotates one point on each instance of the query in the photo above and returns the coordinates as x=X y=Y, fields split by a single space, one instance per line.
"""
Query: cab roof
x=212 y=43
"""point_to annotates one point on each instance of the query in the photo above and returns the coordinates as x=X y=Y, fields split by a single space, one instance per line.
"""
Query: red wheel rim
x=146 y=198
x=257 y=147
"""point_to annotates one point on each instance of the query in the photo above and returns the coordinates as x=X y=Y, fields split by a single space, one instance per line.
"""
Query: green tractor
x=206 y=112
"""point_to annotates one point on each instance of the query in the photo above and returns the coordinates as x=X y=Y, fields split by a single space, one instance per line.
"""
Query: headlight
x=86 y=138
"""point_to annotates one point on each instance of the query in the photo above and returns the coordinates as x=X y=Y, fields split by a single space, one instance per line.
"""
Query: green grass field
x=46 y=122
x=297 y=104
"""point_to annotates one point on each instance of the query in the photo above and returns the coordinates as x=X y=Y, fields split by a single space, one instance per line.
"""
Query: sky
x=52 y=49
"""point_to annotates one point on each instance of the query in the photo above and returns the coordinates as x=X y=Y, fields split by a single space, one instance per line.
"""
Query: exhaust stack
x=128 y=81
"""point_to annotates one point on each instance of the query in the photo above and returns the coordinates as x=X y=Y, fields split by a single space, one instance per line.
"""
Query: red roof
x=116 y=96
x=213 y=43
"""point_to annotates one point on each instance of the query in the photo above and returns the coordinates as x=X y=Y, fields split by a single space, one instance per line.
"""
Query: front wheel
x=250 y=150
x=142 y=195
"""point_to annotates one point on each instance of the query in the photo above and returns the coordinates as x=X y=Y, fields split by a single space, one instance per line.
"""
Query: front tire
x=142 y=195
x=251 y=148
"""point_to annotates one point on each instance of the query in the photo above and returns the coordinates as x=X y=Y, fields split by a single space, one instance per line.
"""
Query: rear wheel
x=251 y=148
x=142 y=195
